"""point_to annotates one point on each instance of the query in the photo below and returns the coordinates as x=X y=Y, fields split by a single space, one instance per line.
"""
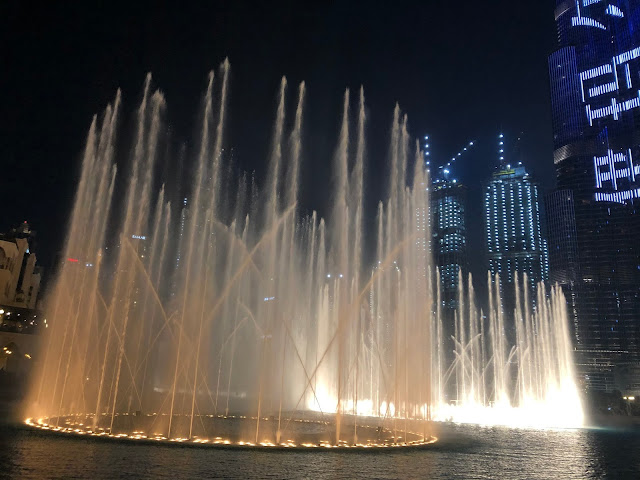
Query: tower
x=513 y=231
x=595 y=99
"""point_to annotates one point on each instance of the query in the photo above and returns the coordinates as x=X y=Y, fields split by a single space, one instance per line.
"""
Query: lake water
x=467 y=452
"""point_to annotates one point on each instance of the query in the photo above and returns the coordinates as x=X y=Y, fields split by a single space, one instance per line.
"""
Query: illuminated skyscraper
x=449 y=240
x=513 y=229
x=595 y=94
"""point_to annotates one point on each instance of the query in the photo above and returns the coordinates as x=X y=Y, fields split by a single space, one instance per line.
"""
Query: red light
x=74 y=260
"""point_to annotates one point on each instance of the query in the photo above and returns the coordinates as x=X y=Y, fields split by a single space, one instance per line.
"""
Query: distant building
x=19 y=276
x=595 y=100
x=449 y=237
x=513 y=230
x=447 y=241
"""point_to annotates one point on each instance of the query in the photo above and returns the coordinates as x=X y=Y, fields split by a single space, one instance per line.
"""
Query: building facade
x=449 y=237
x=595 y=95
x=19 y=275
x=513 y=233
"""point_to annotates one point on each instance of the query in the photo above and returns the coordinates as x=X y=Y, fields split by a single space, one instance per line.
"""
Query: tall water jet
x=233 y=318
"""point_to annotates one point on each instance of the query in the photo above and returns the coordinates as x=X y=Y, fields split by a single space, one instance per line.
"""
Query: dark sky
x=461 y=70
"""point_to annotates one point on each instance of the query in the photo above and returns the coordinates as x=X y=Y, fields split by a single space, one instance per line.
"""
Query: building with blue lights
x=513 y=233
x=448 y=230
x=448 y=240
x=449 y=237
x=595 y=96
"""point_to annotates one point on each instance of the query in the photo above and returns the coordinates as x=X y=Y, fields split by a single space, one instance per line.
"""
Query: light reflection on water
x=463 y=452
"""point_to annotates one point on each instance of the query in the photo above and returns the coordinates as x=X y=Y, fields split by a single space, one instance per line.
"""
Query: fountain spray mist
x=236 y=317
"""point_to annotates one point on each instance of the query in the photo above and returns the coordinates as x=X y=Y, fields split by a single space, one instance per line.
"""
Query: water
x=215 y=296
x=463 y=452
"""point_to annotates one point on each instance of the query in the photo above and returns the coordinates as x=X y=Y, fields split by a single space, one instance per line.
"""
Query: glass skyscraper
x=513 y=230
x=593 y=217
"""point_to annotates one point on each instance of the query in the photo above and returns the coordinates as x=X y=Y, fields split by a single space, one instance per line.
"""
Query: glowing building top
x=595 y=90
x=513 y=224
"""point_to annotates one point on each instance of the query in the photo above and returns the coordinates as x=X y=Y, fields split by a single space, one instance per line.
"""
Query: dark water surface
x=462 y=452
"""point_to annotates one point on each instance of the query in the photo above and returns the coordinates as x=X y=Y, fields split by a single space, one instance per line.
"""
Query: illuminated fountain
x=225 y=303
x=213 y=313
x=527 y=383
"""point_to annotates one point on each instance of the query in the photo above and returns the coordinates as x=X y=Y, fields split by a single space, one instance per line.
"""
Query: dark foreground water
x=462 y=452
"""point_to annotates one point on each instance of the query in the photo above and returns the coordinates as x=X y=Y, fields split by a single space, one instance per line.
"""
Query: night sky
x=461 y=70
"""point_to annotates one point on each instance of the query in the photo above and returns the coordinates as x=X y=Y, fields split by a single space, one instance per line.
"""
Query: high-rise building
x=563 y=247
x=449 y=236
x=513 y=229
x=448 y=242
x=595 y=94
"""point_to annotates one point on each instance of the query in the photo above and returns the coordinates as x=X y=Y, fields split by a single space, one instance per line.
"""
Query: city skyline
x=97 y=59
x=320 y=239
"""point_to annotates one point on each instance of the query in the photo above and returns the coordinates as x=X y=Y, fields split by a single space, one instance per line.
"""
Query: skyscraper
x=513 y=229
x=448 y=242
x=595 y=81
x=449 y=236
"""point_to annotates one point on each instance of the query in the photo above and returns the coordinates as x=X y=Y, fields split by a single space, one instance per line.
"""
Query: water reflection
x=468 y=452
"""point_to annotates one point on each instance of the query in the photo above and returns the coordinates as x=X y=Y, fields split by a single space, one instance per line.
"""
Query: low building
x=19 y=275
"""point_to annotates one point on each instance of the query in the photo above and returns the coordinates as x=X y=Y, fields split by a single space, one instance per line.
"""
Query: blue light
x=586 y=22
x=614 y=11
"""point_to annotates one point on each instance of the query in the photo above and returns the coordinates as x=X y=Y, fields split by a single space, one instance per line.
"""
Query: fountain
x=213 y=313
